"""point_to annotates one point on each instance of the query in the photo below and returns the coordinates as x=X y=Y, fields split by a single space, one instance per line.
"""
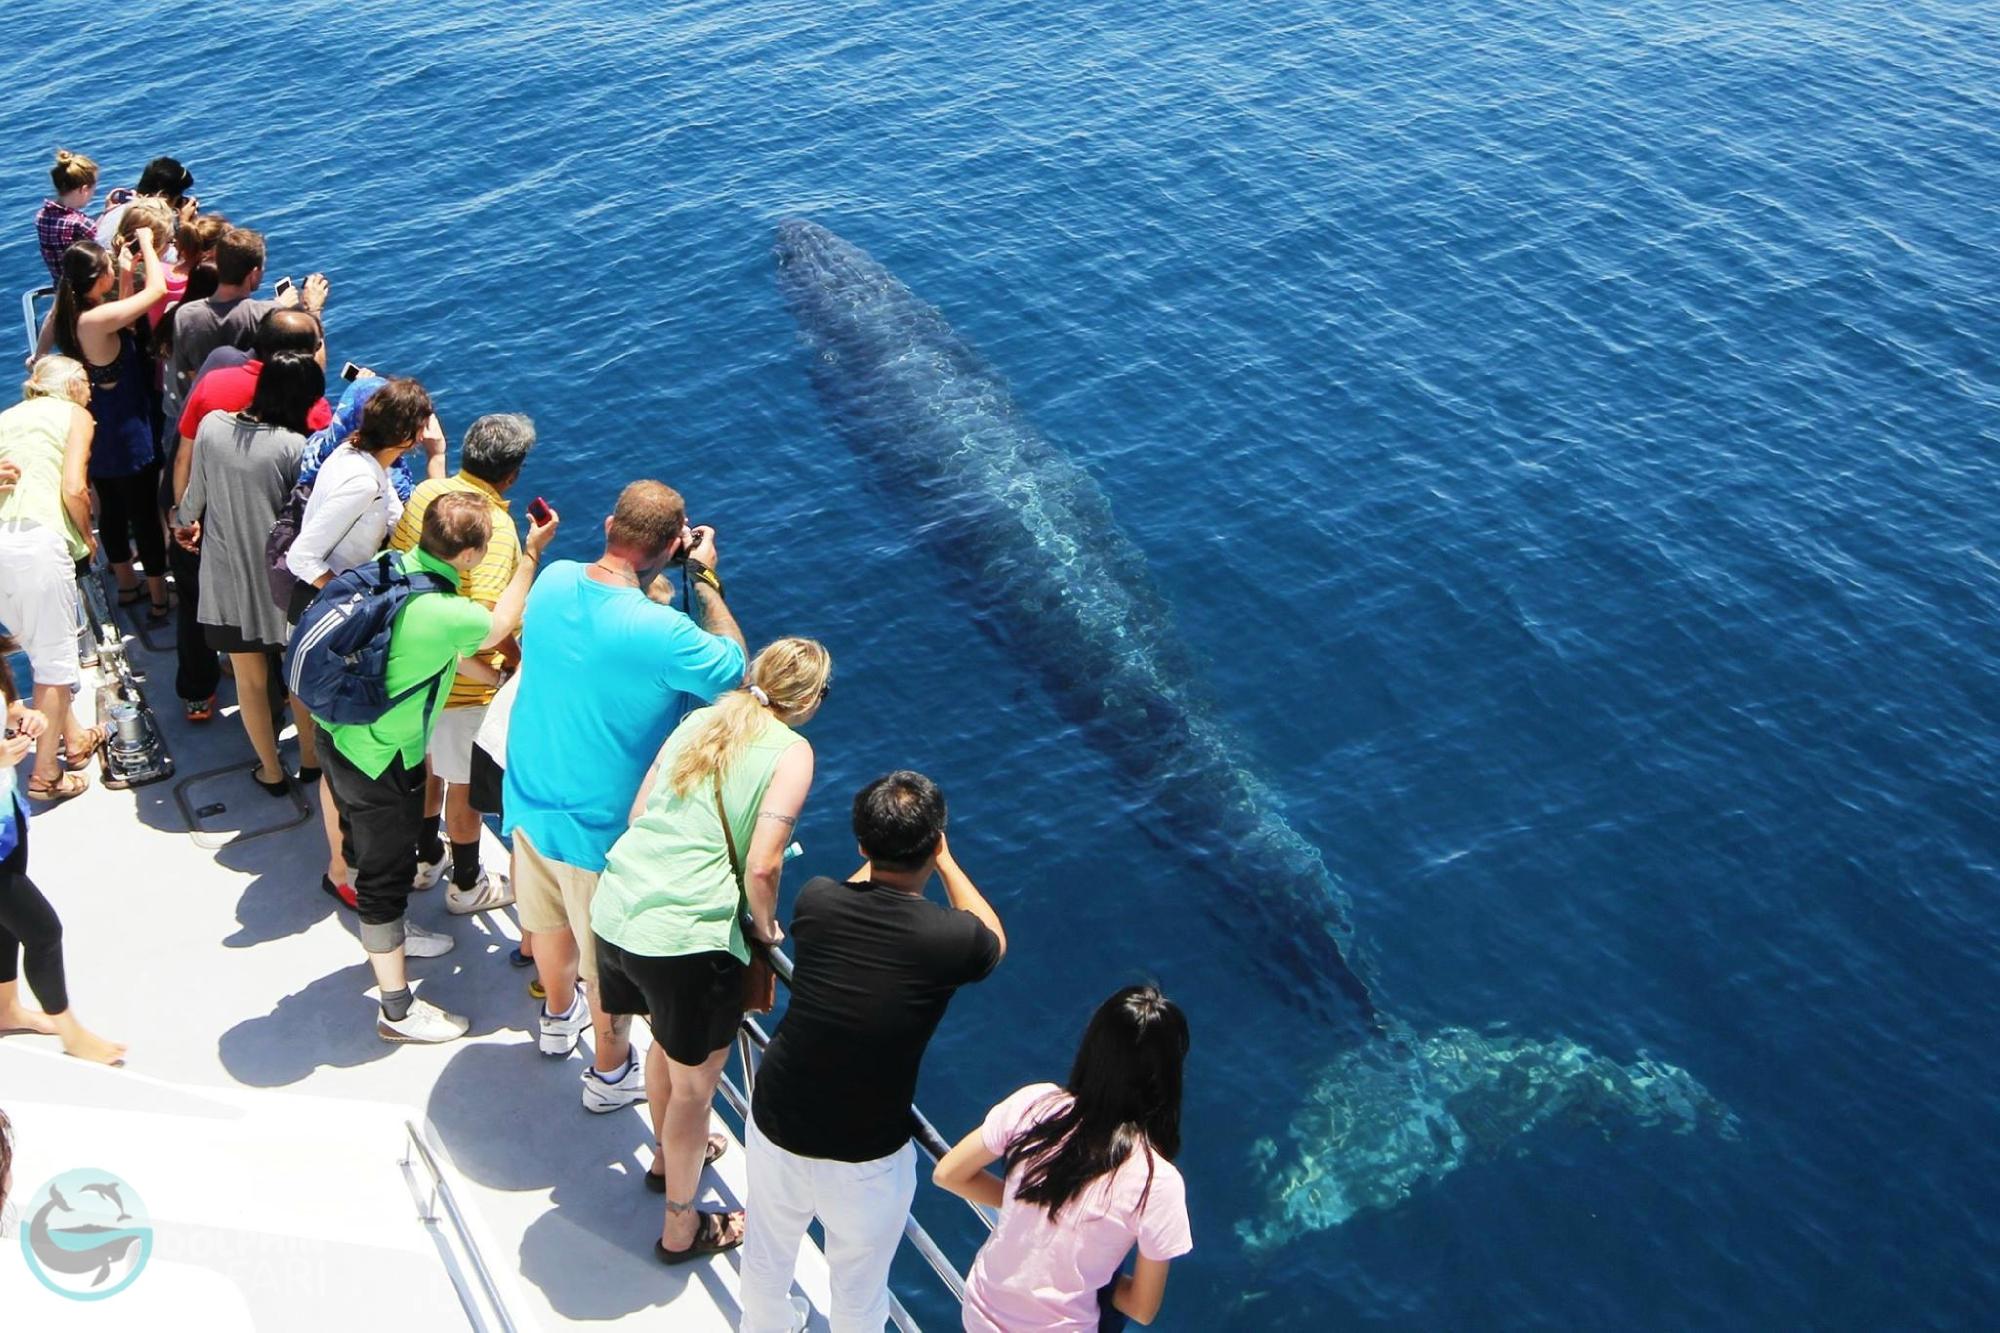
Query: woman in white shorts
x=44 y=531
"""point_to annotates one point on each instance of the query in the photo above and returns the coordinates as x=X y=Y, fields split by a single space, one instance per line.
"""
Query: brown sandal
x=99 y=737
x=62 y=788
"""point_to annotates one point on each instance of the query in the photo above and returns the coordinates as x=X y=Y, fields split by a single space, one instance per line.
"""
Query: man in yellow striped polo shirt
x=489 y=463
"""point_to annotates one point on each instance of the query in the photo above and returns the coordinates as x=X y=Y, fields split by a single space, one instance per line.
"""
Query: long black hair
x=1125 y=1092
x=287 y=387
x=83 y=265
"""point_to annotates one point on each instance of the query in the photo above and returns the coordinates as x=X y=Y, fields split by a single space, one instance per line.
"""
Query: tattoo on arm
x=773 y=814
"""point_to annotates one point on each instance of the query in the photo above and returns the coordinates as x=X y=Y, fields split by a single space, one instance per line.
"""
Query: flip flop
x=708 y=1239
x=99 y=737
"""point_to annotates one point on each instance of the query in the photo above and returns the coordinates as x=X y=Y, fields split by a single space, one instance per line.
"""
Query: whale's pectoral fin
x=103 y=1272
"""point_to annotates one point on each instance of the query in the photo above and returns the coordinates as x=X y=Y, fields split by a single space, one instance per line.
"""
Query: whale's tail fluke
x=1388 y=1116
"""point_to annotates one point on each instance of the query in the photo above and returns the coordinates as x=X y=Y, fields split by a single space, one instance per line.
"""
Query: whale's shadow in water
x=1034 y=542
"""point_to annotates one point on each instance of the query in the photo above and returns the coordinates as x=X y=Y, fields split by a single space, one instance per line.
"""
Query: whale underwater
x=1065 y=589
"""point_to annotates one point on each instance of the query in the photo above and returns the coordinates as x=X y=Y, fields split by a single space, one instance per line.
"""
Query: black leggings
x=131 y=504
x=30 y=927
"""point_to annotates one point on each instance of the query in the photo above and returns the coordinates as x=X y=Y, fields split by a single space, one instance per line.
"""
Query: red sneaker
x=343 y=893
x=199 y=710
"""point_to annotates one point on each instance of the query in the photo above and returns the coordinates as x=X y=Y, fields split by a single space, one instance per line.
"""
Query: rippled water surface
x=1565 y=435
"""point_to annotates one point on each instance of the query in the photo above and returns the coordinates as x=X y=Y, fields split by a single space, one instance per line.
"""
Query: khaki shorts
x=549 y=895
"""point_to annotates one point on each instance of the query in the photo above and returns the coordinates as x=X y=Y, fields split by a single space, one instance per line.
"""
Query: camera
x=687 y=544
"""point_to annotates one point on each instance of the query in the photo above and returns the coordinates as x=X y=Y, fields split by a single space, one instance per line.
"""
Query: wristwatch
x=701 y=573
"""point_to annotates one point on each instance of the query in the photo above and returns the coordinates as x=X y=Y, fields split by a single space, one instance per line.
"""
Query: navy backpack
x=338 y=659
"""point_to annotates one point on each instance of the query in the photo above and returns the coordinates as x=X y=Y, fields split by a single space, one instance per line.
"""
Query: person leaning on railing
x=705 y=849
x=1089 y=1176
x=62 y=221
x=875 y=965
x=605 y=659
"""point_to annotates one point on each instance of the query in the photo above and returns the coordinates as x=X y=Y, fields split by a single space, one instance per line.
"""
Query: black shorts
x=488 y=779
x=693 y=1002
x=229 y=639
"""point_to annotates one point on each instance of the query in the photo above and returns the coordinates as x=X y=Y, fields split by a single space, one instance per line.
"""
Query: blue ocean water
x=1566 y=433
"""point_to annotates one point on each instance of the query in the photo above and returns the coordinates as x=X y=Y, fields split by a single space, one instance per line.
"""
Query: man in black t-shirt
x=829 y=1132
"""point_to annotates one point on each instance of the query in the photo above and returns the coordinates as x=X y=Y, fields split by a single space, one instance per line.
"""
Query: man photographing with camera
x=605 y=655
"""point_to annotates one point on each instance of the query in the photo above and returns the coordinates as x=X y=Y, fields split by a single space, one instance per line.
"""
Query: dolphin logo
x=76 y=1256
x=1069 y=593
x=109 y=1192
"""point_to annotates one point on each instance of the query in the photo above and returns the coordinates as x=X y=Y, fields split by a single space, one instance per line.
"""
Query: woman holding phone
x=94 y=325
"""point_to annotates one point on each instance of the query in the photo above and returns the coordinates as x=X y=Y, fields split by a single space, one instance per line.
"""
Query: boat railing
x=484 y=1307
x=751 y=1039
x=29 y=299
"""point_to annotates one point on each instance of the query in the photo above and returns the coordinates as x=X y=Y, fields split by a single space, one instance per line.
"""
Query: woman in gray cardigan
x=244 y=465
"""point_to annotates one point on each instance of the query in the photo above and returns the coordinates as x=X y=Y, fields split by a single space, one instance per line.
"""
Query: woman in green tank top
x=44 y=528
x=704 y=850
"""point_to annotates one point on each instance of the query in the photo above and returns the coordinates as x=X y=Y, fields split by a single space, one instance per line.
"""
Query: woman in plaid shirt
x=62 y=221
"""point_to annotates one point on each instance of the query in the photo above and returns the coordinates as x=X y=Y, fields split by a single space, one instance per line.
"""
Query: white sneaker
x=561 y=1032
x=421 y=943
x=430 y=872
x=490 y=892
x=425 y=1023
x=603 y=1095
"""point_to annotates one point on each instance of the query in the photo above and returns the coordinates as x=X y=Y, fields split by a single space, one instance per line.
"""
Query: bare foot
x=22 y=1019
x=87 y=1045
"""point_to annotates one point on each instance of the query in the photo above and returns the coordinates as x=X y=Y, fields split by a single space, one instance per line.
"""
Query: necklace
x=616 y=573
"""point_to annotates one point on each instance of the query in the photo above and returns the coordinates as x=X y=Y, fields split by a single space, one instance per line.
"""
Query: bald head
x=289 y=330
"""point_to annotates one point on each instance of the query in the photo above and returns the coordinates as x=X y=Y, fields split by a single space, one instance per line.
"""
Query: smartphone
x=538 y=510
x=283 y=285
x=350 y=372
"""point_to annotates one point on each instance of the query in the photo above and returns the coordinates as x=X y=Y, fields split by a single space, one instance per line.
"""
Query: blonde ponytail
x=792 y=674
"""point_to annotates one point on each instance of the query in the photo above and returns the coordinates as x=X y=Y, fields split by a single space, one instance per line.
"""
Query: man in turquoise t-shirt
x=605 y=657
x=376 y=771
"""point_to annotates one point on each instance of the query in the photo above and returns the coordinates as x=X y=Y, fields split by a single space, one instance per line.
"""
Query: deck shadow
x=510 y=1120
x=330 y=1023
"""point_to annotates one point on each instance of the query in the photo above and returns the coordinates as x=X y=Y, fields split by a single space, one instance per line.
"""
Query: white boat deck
x=262 y=1120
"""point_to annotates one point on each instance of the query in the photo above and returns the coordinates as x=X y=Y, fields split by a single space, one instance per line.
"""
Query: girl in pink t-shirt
x=1089 y=1172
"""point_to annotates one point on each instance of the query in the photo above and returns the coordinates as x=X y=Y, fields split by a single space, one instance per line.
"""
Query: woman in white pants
x=44 y=531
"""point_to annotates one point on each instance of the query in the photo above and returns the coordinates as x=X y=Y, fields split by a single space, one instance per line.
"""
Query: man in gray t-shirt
x=230 y=317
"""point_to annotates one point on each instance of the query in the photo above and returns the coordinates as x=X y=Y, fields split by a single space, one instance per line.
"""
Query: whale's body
x=1069 y=593
x=1066 y=589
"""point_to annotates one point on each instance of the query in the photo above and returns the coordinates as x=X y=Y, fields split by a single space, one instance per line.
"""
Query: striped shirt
x=485 y=583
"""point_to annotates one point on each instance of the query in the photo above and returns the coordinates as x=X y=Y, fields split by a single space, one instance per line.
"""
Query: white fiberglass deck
x=262 y=1120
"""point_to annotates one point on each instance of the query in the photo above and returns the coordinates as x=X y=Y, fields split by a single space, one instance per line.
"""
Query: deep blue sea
x=1568 y=435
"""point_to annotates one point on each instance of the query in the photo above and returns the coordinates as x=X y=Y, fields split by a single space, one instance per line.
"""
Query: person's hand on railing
x=767 y=933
